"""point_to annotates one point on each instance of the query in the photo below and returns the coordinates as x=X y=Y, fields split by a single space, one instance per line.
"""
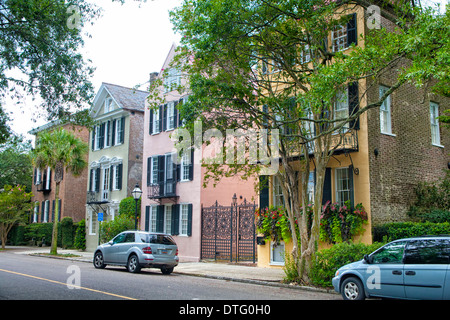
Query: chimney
x=153 y=77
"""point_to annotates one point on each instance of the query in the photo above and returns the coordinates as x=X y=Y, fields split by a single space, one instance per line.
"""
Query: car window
x=129 y=237
x=157 y=239
x=390 y=253
x=429 y=251
x=120 y=238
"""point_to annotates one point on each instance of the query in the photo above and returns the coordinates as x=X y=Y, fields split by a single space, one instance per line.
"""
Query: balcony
x=346 y=141
x=94 y=197
x=164 y=189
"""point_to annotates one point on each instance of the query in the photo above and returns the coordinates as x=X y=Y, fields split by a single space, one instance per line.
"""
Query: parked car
x=413 y=268
x=138 y=249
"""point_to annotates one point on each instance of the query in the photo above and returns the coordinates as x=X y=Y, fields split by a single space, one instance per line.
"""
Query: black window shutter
x=164 y=118
x=113 y=133
x=191 y=166
x=175 y=114
x=351 y=188
x=160 y=219
x=108 y=133
x=43 y=211
x=122 y=132
x=93 y=138
x=147 y=218
x=59 y=210
x=97 y=180
x=53 y=210
x=353 y=103
x=180 y=120
x=34 y=176
x=161 y=118
x=175 y=220
x=111 y=177
x=150 y=123
x=102 y=136
x=263 y=192
x=351 y=31
x=327 y=186
x=161 y=173
x=90 y=179
x=149 y=170
x=120 y=168
x=189 y=231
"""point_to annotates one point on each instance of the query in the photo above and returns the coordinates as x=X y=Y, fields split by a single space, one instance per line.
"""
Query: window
x=311 y=186
x=341 y=106
x=278 y=198
x=168 y=219
x=153 y=216
x=343 y=36
x=156 y=120
x=119 y=134
x=154 y=173
x=390 y=253
x=92 y=223
x=184 y=219
x=46 y=210
x=343 y=185
x=385 y=112
x=277 y=253
x=172 y=80
x=433 y=251
x=107 y=135
x=36 y=212
x=169 y=176
x=98 y=138
x=108 y=105
x=116 y=175
x=105 y=184
x=185 y=164
x=170 y=116
x=305 y=55
x=434 y=122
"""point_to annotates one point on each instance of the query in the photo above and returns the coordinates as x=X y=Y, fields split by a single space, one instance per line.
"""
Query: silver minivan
x=412 y=268
x=138 y=249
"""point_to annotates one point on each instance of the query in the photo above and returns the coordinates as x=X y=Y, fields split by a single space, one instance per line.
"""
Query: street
x=37 y=278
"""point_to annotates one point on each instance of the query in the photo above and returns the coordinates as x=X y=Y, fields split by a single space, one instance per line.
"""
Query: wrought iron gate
x=228 y=232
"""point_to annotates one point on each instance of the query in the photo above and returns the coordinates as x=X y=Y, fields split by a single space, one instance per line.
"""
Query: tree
x=269 y=64
x=14 y=204
x=15 y=163
x=61 y=151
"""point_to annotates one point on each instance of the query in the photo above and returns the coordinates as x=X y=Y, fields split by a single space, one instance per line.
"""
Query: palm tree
x=59 y=150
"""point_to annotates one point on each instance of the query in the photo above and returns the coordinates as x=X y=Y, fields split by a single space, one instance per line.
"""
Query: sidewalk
x=215 y=270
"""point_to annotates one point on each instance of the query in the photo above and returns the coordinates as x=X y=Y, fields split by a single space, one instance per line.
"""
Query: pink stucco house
x=173 y=195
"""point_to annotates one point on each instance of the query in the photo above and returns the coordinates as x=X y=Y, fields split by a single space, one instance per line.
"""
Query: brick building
x=72 y=188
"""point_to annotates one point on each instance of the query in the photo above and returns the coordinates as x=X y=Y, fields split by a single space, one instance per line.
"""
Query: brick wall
x=407 y=158
x=136 y=148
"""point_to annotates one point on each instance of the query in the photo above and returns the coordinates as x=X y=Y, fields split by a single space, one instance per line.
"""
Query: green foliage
x=398 y=230
x=110 y=229
x=273 y=223
x=80 y=236
x=340 y=223
x=67 y=232
x=329 y=260
x=433 y=201
x=15 y=202
x=38 y=233
x=128 y=207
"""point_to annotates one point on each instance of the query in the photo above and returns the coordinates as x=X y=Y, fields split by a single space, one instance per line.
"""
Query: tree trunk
x=54 y=246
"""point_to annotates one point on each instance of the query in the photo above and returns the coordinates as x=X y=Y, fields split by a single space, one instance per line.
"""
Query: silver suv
x=138 y=249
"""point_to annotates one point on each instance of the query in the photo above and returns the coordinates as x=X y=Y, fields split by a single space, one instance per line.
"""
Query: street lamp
x=137 y=192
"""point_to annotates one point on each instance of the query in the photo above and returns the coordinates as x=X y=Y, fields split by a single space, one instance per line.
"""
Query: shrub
x=327 y=261
x=110 y=229
x=128 y=207
x=80 y=236
x=398 y=230
x=66 y=232
x=273 y=223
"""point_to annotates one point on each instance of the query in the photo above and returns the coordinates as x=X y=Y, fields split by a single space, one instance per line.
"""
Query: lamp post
x=137 y=192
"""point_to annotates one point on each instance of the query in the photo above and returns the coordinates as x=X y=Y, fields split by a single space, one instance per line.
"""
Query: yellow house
x=383 y=157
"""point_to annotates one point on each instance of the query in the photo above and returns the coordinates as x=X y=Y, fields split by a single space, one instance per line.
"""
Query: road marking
x=65 y=284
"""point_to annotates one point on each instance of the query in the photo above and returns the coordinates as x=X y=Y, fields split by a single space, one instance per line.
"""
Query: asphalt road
x=37 y=278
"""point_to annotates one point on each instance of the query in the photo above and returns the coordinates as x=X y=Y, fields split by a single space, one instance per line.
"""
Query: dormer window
x=108 y=105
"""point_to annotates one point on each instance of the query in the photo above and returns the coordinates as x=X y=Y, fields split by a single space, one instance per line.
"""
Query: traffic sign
x=100 y=216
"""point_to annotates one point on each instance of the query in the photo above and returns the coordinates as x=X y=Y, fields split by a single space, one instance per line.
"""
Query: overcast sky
x=128 y=43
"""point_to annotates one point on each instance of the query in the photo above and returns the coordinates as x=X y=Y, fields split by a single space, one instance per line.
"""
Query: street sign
x=100 y=216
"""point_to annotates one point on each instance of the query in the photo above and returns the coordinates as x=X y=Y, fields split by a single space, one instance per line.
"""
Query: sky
x=127 y=43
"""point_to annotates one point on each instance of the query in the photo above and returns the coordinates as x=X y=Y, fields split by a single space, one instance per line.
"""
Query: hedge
x=38 y=234
x=397 y=230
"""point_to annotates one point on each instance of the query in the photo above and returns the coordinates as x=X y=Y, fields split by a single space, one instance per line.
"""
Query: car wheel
x=133 y=265
x=99 y=263
x=352 y=289
x=166 y=270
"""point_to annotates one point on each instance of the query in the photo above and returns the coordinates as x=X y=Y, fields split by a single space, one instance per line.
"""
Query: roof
x=127 y=98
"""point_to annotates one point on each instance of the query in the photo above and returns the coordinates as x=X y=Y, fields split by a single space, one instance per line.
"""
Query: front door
x=389 y=260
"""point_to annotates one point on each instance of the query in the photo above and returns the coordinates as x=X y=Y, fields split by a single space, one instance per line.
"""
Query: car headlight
x=337 y=273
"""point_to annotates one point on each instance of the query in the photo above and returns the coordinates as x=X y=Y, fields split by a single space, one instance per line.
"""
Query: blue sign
x=100 y=216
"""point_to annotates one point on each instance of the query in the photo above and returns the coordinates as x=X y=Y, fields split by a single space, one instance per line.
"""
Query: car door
x=426 y=264
x=109 y=249
x=122 y=249
x=388 y=262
